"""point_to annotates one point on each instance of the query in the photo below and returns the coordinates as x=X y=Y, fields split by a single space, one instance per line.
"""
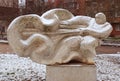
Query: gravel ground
x=108 y=67
x=14 y=68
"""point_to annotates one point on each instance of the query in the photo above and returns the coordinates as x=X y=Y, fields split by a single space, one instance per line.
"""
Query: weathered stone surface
x=71 y=72
x=58 y=36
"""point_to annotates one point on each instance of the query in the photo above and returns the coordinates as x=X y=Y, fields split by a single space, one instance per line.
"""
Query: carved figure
x=57 y=36
x=93 y=31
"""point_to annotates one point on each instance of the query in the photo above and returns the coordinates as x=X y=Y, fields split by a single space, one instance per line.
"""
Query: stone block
x=71 y=72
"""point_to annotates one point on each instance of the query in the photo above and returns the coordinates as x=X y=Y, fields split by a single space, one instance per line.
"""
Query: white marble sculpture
x=58 y=36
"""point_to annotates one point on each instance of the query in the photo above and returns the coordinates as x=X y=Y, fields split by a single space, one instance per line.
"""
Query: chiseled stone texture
x=57 y=36
x=71 y=72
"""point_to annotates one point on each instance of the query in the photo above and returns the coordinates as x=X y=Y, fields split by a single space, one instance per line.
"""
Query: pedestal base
x=71 y=72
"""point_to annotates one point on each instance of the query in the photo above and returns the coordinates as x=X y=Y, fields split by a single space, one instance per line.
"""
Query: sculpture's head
x=100 y=18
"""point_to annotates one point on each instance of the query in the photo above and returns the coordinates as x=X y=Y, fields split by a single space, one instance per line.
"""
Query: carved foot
x=89 y=61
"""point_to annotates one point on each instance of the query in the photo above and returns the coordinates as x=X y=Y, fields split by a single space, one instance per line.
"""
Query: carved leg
x=68 y=50
x=88 y=46
x=37 y=44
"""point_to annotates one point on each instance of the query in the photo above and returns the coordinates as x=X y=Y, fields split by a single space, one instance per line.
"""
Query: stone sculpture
x=58 y=36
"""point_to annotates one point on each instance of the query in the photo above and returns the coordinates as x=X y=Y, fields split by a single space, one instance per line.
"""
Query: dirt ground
x=5 y=48
x=108 y=50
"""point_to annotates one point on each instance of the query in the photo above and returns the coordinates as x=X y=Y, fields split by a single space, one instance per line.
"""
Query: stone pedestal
x=71 y=72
